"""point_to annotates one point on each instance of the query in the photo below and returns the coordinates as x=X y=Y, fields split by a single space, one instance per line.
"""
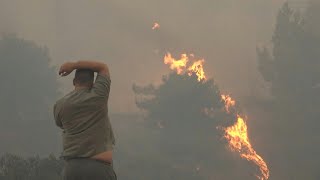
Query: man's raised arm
x=99 y=67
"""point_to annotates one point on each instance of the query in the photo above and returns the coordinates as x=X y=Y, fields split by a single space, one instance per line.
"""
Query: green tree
x=170 y=103
x=28 y=90
x=28 y=83
x=292 y=69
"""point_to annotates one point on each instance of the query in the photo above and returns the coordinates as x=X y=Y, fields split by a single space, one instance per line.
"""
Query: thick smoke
x=119 y=33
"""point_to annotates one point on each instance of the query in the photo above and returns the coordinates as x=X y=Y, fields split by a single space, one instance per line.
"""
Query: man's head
x=83 y=78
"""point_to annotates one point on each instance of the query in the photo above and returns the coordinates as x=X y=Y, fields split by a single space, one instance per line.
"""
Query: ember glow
x=237 y=134
x=155 y=26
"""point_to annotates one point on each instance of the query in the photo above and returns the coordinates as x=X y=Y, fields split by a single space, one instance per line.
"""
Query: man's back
x=83 y=116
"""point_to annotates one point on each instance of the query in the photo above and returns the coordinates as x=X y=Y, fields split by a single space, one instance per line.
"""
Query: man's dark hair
x=83 y=77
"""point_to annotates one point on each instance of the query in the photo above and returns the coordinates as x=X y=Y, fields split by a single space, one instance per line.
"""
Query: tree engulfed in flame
x=237 y=134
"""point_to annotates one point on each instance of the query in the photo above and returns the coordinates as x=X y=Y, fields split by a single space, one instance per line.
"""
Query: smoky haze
x=259 y=51
x=119 y=33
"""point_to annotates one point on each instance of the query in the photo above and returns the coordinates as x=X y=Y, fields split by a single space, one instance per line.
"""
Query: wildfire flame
x=197 y=67
x=155 y=26
x=176 y=64
x=237 y=134
x=180 y=65
x=228 y=101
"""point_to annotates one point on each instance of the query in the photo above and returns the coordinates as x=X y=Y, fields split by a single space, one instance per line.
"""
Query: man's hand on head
x=66 y=68
x=99 y=67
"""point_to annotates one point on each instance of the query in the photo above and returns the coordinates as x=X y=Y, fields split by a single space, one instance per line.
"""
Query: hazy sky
x=224 y=32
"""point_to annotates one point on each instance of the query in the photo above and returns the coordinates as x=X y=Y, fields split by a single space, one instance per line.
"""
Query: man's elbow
x=104 y=70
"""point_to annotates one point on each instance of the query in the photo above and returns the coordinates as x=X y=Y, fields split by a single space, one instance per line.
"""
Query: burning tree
x=176 y=109
x=187 y=107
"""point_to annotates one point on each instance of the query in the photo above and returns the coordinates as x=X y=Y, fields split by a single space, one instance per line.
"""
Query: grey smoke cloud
x=119 y=32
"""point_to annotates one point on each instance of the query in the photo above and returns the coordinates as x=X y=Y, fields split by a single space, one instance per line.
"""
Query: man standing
x=82 y=114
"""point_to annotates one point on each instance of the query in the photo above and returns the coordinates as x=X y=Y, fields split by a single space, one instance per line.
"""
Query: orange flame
x=237 y=134
x=176 y=64
x=180 y=65
x=228 y=101
x=197 y=67
x=155 y=26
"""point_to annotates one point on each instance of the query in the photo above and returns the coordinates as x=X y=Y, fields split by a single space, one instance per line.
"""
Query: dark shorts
x=88 y=169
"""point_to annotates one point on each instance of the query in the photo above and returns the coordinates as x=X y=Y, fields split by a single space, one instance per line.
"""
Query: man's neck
x=81 y=87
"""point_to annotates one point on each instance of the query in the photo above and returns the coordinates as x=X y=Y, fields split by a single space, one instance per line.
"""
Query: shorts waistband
x=86 y=158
